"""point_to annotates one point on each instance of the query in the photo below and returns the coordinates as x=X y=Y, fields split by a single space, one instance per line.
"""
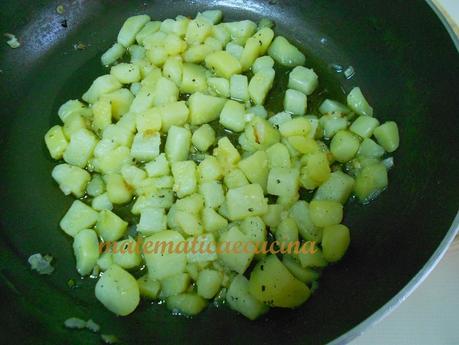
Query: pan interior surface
x=405 y=63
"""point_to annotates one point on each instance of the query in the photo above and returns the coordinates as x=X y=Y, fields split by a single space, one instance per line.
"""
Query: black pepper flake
x=262 y=267
x=193 y=80
x=64 y=23
x=260 y=42
x=250 y=209
x=263 y=288
x=278 y=181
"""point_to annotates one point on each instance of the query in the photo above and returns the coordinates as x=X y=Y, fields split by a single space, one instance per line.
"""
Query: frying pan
x=406 y=63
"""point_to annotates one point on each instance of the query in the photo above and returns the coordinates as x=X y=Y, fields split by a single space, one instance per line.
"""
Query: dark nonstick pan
x=404 y=59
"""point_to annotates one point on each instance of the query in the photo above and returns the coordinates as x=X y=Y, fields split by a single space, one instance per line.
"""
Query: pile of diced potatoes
x=177 y=131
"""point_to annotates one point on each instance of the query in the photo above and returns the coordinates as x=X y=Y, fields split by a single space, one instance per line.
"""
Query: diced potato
x=287 y=232
x=318 y=167
x=162 y=198
x=220 y=33
x=303 y=79
x=102 y=115
x=258 y=135
x=173 y=114
x=194 y=78
x=241 y=31
x=227 y=155
x=325 y=212
x=219 y=87
x=110 y=226
x=232 y=116
x=165 y=92
x=250 y=52
x=198 y=30
x=371 y=181
x=105 y=259
x=301 y=214
x=333 y=107
x=174 y=285
x=357 y=102
x=223 y=64
x=209 y=169
x=246 y=201
x=186 y=303
x=137 y=52
x=311 y=259
x=295 y=102
x=262 y=63
x=284 y=53
x=203 y=138
x=364 y=126
x=335 y=241
x=126 y=73
x=213 y=194
x=118 y=291
x=96 y=186
x=305 y=274
x=235 y=50
x=188 y=223
x=131 y=28
x=387 y=136
x=201 y=249
x=100 y=86
x=56 y=142
x=255 y=229
x=212 y=221
x=209 y=283
x=236 y=251
x=255 y=167
x=332 y=124
x=177 y=144
x=118 y=134
x=102 y=202
x=72 y=106
x=119 y=192
x=272 y=283
x=112 y=161
x=283 y=181
x=147 y=30
x=152 y=219
x=173 y=69
x=213 y=16
x=73 y=123
x=295 y=126
x=344 y=146
x=114 y=53
x=239 y=87
x=204 y=108
x=71 y=179
x=368 y=148
x=240 y=299
x=145 y=146
x=264 y=36
x=338 y=188
x=126 y=254
x=184 y=173
x=158 y=167
x=149 y=120
x=160 y=257
x=86 y=250
x=78 y=217
x=174 y=45
x=149 y=287
x=80 y=148
x=260 y=84
x=273 y=217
